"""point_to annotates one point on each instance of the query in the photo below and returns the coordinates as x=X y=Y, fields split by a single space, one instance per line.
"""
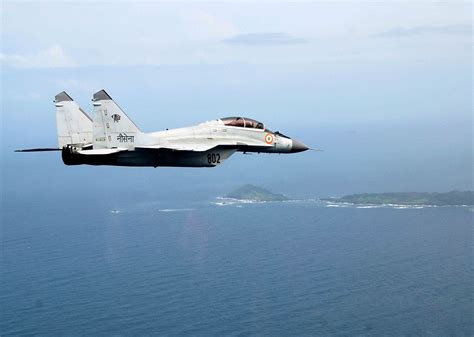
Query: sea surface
x=207 y=268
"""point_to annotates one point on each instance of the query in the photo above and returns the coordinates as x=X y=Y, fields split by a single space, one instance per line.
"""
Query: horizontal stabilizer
x=41 y=149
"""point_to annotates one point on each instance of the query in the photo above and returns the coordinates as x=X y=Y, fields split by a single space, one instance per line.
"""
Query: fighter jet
x=112 y=138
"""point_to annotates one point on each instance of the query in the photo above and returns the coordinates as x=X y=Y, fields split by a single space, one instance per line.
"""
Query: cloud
x=264 y=39
x=460 y=29
x=52 y=57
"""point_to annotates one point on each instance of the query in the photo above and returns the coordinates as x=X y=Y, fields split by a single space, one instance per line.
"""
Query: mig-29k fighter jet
x=111 y=138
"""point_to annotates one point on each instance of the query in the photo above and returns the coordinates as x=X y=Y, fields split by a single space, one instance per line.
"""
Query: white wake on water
x=223 y=201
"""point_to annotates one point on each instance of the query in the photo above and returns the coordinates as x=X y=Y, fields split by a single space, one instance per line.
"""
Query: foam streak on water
x=276 y=269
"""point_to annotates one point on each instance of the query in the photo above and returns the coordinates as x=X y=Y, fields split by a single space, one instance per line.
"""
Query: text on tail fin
x=112 y=126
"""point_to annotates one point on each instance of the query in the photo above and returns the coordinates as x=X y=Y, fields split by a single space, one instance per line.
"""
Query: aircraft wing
x=181 y=147
x=199 y=147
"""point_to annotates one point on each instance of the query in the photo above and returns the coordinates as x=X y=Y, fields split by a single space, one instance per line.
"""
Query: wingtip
x=101 y=95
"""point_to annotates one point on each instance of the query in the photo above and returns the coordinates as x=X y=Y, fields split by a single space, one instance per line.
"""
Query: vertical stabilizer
x=112 y=127
x=73 y=124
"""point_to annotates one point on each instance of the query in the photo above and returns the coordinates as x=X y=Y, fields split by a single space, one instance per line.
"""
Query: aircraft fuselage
x=111 y=138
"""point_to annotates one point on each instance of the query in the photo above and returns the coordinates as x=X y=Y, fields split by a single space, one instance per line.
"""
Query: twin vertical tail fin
x=74 y=126
x=112 y=127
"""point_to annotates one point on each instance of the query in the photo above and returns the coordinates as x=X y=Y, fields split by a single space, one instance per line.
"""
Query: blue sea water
x=174 y=268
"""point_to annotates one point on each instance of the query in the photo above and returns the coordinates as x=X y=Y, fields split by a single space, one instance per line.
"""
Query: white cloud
x=52 y=57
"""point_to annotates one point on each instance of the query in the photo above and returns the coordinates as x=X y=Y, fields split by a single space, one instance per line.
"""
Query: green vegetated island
x=255 y=193
x=454 y=198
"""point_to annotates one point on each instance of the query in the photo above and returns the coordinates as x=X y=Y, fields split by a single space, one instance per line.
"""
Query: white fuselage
x=246 y=139
x=110 y=137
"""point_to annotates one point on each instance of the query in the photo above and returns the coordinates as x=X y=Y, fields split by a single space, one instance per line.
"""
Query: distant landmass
x=454 y=198
x=255 y=193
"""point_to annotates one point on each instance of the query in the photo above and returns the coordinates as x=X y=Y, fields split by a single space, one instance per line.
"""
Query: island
x=453 y=198
x=255 y=193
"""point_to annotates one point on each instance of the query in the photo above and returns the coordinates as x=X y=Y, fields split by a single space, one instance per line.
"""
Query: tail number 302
x=214 y=158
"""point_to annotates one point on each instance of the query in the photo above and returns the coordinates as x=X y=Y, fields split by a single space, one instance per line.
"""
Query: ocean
x=179 y=267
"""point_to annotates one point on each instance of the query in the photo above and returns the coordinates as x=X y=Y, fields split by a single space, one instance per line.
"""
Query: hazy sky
x=75 y=34
x=384 y=87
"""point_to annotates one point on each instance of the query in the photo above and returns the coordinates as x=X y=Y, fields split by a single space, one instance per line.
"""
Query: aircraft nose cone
x=298 y=146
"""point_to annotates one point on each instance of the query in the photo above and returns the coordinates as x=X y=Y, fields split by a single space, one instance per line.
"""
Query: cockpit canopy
x=243 y=122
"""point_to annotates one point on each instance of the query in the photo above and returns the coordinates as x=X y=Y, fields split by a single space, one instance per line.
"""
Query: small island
x=255 y=193
x=453 y=198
